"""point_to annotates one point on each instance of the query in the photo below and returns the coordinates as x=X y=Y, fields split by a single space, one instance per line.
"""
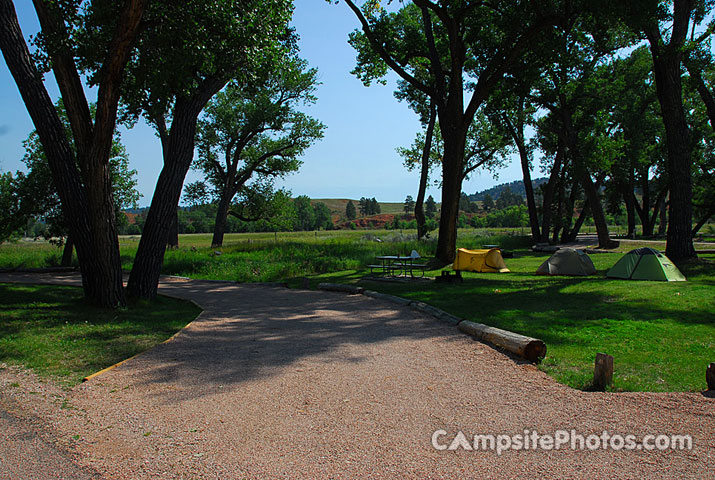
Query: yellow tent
x=487 y=260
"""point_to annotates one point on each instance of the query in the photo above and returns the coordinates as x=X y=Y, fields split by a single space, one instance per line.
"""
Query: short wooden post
x=710 y=376
x=603 y=373
x=305 y=283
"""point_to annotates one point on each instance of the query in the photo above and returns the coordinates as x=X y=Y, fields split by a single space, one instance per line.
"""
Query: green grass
x=662 y=335
x=50 y=330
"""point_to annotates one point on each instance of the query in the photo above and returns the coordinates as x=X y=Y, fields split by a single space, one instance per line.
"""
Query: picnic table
x=397 y=265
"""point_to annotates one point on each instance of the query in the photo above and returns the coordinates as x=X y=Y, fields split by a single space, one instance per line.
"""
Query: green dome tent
x=646 y=264
x=567 y=261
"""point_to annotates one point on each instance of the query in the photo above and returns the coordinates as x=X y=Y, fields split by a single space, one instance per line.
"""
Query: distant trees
x=488 y=203
x=350 y=211
x=368 y=206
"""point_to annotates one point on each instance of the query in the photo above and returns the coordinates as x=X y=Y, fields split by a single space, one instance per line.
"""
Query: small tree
x=488 y=203
x=304 y=212
x=364 y=206
x=409 y=205
x=430 y=207
x=374 y=207
x=322 y=216
x=350 y=212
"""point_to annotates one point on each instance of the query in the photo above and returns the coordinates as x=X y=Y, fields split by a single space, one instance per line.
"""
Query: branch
x=497 y=67
x=111 y=72
x=68 y=80
x=386 y=57
x=435 y=63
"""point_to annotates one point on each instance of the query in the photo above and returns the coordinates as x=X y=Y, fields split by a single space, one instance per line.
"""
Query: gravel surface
x=278 y=383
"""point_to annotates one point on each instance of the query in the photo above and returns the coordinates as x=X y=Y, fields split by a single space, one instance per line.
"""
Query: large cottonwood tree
x=85 y=191
x=465 y=47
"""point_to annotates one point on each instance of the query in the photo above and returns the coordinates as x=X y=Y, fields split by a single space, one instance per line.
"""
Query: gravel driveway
x=277 y=383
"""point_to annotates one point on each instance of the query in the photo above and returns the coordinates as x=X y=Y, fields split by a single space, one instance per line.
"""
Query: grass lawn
x=50 y=330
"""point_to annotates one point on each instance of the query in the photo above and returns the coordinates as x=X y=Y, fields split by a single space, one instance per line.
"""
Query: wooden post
x=603 y=373
x=710 y=376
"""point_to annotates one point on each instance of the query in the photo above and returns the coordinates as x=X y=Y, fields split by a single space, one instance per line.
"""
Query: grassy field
x=662 y=335
x=50 y=330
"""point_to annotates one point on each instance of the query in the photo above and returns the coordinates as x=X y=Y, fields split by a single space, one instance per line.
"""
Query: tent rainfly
x=567 y=261
x=487 y=260
x=646 y=264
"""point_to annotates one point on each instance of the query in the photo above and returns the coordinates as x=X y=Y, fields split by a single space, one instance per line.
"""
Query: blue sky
x=364 y=125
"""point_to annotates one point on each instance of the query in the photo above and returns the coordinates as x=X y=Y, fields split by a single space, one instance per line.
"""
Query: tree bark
x=424 y=173
x=173 y=237
x=571 y=234
x=569 y=207
x=558 y=223
x=666 y=68
x=599 y=218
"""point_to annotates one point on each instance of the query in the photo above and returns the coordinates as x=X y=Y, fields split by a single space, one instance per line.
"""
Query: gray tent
x=567 y=261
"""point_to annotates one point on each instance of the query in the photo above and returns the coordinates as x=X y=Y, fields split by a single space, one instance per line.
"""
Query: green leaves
x=254 y=132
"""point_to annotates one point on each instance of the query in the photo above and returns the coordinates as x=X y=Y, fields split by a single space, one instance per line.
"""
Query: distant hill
x=337 y=206
x=516 y=186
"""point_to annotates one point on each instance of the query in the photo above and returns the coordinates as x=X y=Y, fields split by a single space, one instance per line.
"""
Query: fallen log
x=529 y=348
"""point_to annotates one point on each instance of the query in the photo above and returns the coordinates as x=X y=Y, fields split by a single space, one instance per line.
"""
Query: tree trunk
x=570 y=235
x=452 y=166
x=424 y=173
x=517 y=136
x=599 y=218
x=67 y=252
x=559 y=206
x=703 y=221
x=98 y=288
x=221 y=215
x=568 y=213
x=663 y=217
x=549 y=191
x=173 y=238
x=93 y=141
x=666 y=68
x=629 y=198
x=144 y=278
x=591 y=191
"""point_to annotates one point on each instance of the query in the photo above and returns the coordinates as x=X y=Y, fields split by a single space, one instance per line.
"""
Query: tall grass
x=266 y=257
